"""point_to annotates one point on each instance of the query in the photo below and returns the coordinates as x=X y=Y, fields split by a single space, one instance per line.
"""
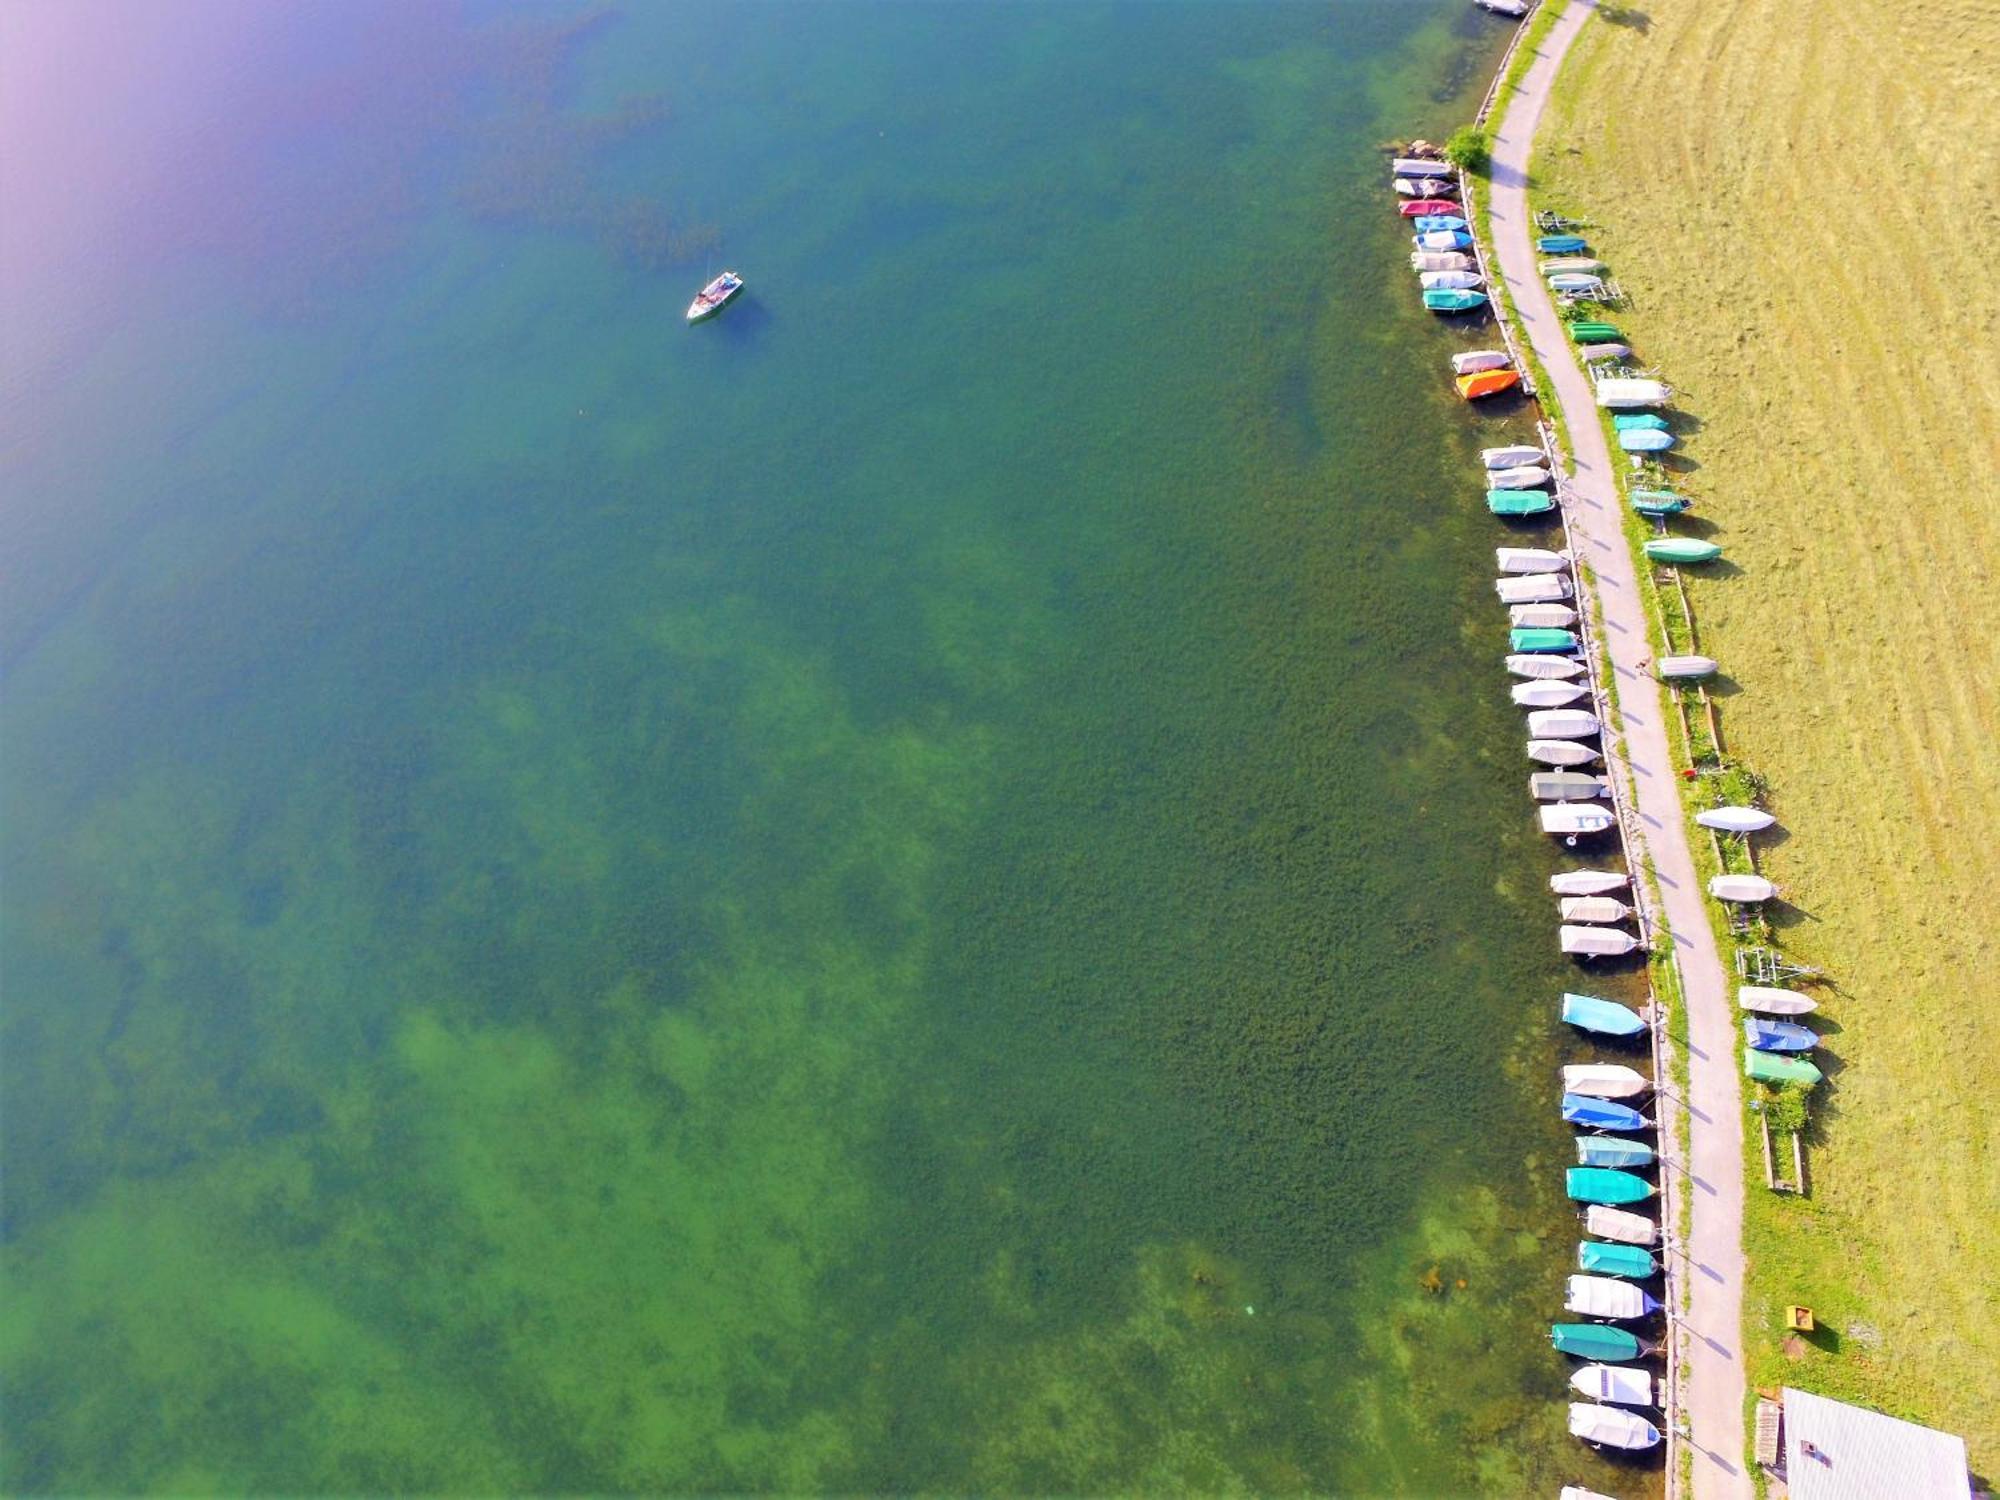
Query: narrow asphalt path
x=1711 y=1261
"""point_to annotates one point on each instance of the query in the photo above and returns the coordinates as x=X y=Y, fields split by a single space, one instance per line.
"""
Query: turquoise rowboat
x=1644 y=439
x=1772 y=1067
x=1639 y=421
x=1594 y=333
x=1682 y=549
x=1598 y=1341
x=1628 y=1261
x=1612 y=1151
x=1659 y=502
x=1519 y=502
x=1604 y=1185
x=1561 y=244
x=1606 y=1017
x=1540 y=638
x=1453 y=300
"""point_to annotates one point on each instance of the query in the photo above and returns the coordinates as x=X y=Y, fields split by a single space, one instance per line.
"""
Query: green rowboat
x=1541 y=638
x=1604 y=1185
x=1682 y=549
x=1519 y=502
x=1771 y=1067
x=1596 y=1341
x=1658 y=502
x=1615 y=1260
x=1595 y=333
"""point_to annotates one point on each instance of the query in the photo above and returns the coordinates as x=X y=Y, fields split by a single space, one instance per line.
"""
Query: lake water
x=922 y=887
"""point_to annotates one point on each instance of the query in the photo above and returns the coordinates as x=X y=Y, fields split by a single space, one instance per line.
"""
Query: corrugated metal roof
x=1834 y=1451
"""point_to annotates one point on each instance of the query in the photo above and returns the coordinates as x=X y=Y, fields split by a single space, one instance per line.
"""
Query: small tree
x=1469 y=149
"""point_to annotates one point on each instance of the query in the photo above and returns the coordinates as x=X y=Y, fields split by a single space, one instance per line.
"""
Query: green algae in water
x=923 y=889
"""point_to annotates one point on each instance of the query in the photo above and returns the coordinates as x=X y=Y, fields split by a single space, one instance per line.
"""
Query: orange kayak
x=1487 y=383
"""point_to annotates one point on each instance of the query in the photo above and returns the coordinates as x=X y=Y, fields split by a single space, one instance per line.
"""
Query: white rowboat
x=1539 y=665
x=1561 y=752
x=1611 y=1426
x=1768 y=1001
x=1741 y=888
x=1541 y=616
x=1532 y=588
x=1596 y=942
x=1549 y=694
x=1472 y=361
x=1562 y=724
x=1626 y=394
x=1450 y=281
x=1588 y=882
x=1604 y=1080
x=1519 y=477
x=1512 y=457
x=1619 y=1224
x=1573 y=818
x=1736 y=819
x=1450 y=260
x=1684 y=668
x=1604 y=1297
x=1626 y=1385
x=1530 y=560
x=1594 y=909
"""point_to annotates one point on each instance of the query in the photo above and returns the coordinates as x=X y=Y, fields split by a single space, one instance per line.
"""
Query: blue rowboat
x=1428 y=223
x=1561 y=244
x=1646 y=440
x=1443 y=239
x=1612 y=1151
x=1604 y=1185
x=1605 y=1016
x=1597 y=1341
x=1601 y=1114
x=1541 y=638
x=1628 y=1261
x=1453 y=300
x=1639 y=421
x=1778 y=1036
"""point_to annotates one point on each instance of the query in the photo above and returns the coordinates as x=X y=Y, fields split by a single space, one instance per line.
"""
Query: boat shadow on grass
x=1782 y=916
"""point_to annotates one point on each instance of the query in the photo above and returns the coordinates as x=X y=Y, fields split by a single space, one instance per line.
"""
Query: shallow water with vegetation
x=923 y=887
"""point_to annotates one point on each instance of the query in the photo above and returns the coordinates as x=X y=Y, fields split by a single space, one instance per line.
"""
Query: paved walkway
x=1712 y=1267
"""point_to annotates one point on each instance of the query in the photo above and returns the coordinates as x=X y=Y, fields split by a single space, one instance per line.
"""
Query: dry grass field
x=1801 y=201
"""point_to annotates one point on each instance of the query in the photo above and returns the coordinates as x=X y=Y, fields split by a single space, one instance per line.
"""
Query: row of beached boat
x=1616 y=1256
x=1772 y=1049
x=1448 y=275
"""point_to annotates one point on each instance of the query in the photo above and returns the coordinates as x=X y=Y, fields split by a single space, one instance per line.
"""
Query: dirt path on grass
x=1710 y=1263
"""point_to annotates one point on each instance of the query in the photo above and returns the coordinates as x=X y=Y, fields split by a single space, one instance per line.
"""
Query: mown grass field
x=1799 y=203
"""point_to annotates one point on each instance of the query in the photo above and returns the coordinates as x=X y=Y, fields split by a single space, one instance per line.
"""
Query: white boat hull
x=1588 y=882
x=1735 y=819
x=1576 y=818
x=1611 y=1427
x=1472 y=361
x=1594 y=909
x=1596 y=942
x=1604 y=1297
x=1450 y=260
x=1520 y=477
x=1622 y=1385
x=1541 y=616
x=1450 y=281
x=1539 y=665
x=1530 y=559
x=1560 y=752
x=1419 y=166
x=1685 y=668
x=1512 y=457
x=1593 y=353
x=1767 y=1001
x=1532 y=587
x=1551 y=694
x=1562 y=724
x=1625 y=395
x=1619 y=1224
x=1741 y=888
x=1604 y=1081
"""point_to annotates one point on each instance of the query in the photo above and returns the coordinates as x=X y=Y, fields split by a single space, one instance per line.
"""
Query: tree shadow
x=1628 y=16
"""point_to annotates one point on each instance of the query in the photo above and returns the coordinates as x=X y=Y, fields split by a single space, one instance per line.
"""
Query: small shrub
x=1469 y=149
x=1786 y=1109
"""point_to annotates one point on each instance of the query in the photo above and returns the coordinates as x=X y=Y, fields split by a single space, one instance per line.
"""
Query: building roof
x=1834 y=1451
